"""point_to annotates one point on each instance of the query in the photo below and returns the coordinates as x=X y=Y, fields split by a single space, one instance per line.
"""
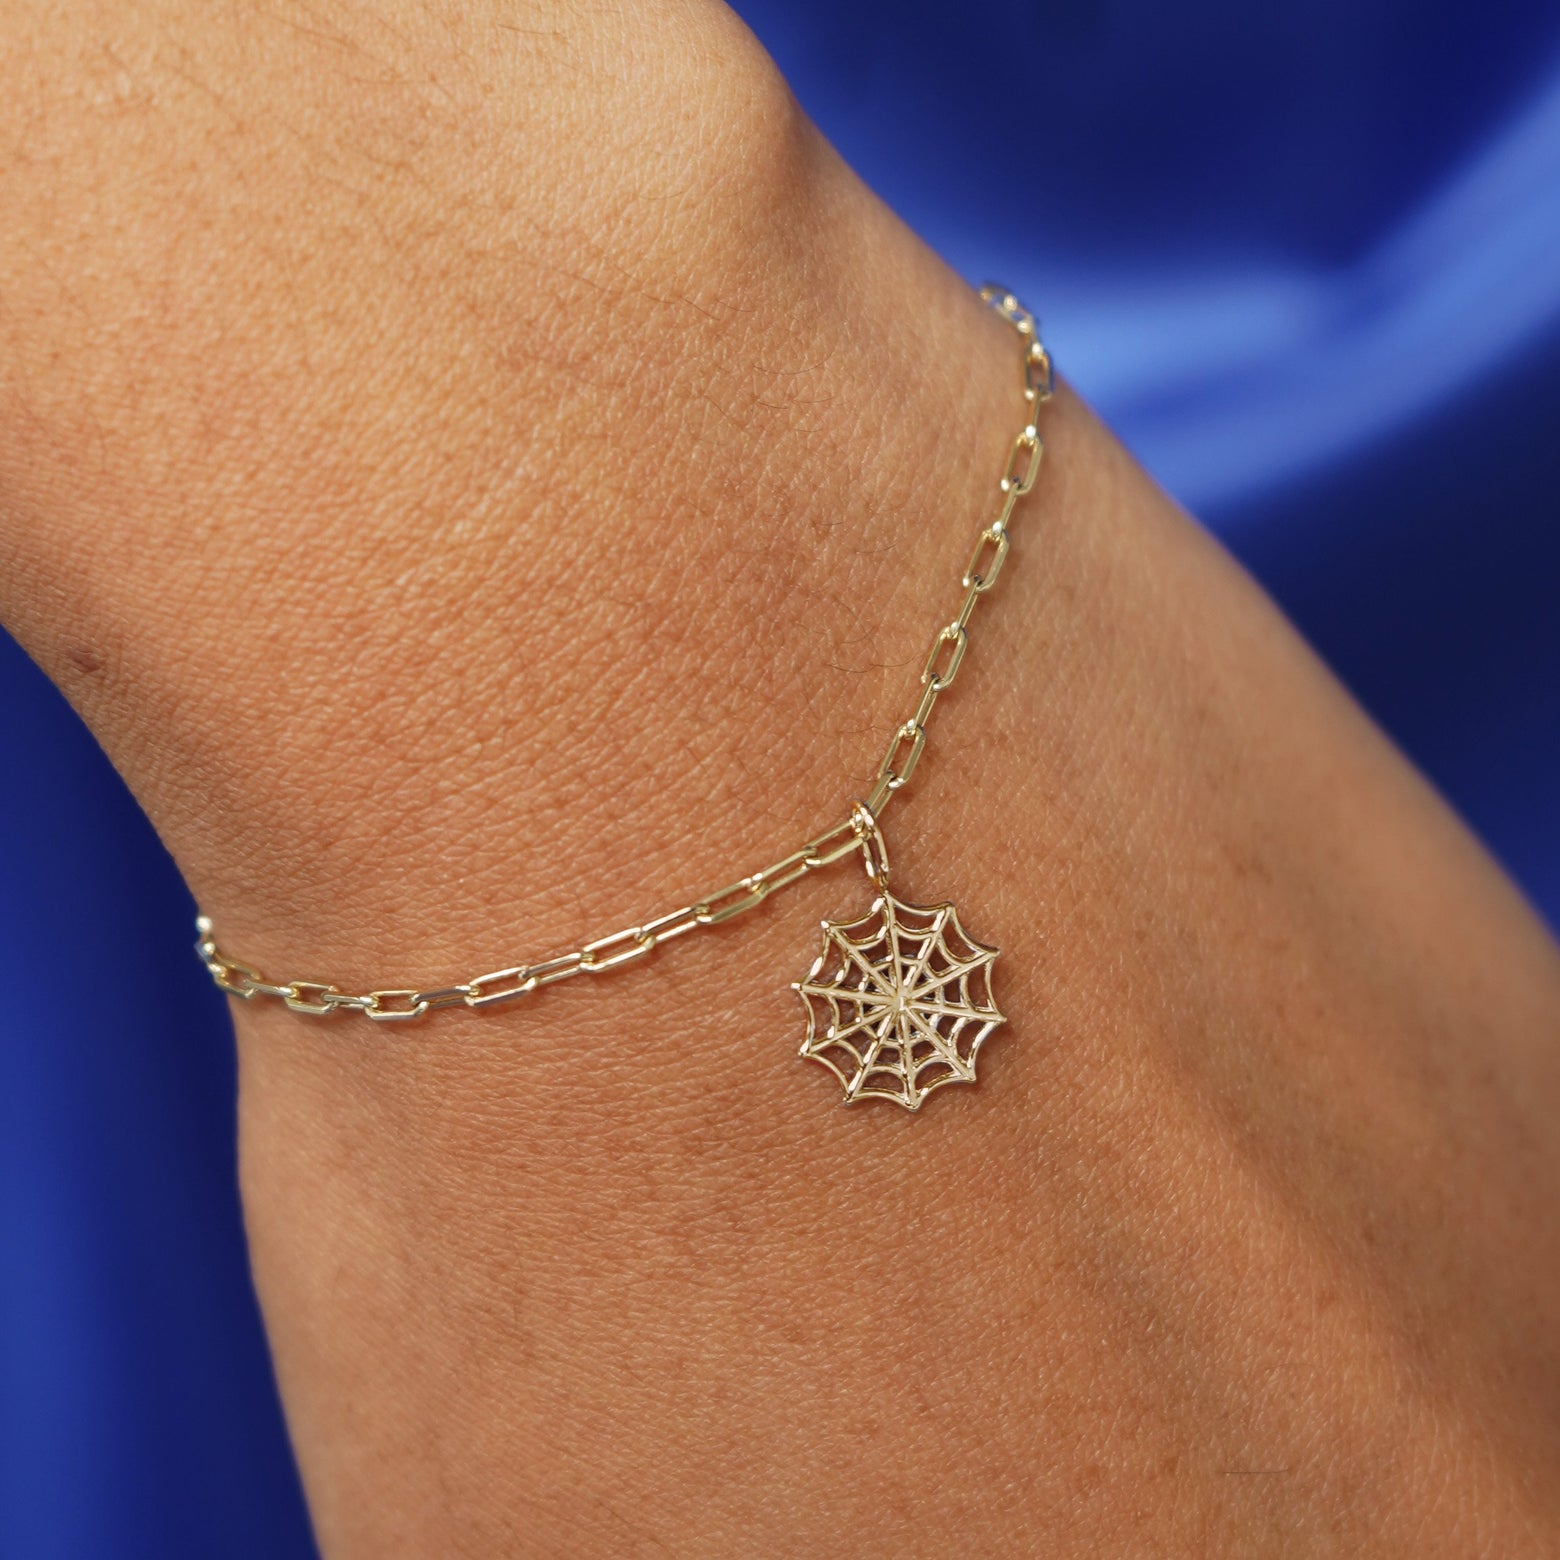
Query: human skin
x=490 y=475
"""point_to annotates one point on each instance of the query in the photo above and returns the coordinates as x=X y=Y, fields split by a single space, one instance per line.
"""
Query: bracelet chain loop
x=858 y=831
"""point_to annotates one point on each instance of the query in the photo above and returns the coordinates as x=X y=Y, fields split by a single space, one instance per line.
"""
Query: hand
x=486 y=480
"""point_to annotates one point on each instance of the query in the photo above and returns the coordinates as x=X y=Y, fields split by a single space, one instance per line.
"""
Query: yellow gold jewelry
x=899 y=1000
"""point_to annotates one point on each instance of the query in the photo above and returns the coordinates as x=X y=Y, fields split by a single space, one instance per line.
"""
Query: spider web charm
x=899 y=1002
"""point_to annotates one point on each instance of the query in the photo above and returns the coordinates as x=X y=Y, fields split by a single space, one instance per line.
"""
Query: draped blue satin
x=1307 y=261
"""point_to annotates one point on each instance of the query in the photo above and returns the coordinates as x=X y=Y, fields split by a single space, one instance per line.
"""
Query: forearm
x=480 y=509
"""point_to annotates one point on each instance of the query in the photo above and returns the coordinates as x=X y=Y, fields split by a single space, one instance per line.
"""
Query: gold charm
x=898 y=1002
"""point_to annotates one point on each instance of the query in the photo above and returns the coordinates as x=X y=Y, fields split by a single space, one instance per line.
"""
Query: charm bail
x=874 y=853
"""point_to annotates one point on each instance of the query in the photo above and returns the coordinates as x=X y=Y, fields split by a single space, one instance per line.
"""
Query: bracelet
x=898 y=1000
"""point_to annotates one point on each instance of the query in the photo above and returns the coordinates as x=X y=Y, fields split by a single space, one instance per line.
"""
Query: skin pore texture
x=489 y=474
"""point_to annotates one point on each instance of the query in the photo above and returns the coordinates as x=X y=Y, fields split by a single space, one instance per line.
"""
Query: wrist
x=496 y=725
x=502 y=523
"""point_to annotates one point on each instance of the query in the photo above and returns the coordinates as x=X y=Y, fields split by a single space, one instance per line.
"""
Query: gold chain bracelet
x=898 y=1001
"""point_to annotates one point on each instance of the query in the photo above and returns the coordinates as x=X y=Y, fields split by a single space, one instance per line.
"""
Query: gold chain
x=856 y=831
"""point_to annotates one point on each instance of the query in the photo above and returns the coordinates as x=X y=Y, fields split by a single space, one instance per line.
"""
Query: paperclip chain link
x=857 y=831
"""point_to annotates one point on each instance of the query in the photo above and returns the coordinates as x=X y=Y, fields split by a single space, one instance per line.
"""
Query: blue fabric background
x=1305 y=256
